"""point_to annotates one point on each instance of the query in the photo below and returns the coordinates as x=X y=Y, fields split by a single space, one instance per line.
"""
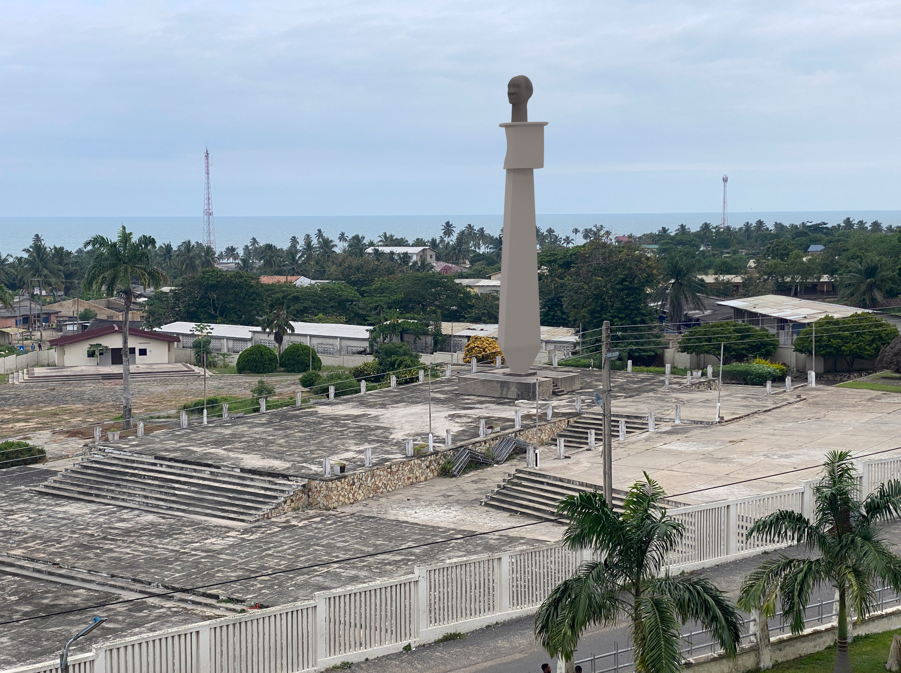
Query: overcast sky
x=377 y=107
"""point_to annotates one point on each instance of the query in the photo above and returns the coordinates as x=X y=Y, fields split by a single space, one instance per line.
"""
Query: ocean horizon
x=71 y=232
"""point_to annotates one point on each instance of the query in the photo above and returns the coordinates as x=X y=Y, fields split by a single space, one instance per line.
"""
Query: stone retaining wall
x=369 y=482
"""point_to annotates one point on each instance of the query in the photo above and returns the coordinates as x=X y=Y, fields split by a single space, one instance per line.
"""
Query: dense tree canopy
x=861 y=335
x=739 y=341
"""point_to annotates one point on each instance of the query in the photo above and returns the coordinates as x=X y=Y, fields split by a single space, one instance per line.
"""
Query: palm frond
x=656 y=636
x=884 y=503
x=592 y=523
x=697 y=598
x=796 y=587
x=785 y=526
x=761 y=586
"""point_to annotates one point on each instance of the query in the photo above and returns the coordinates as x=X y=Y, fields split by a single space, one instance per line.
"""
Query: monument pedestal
x=517 y=386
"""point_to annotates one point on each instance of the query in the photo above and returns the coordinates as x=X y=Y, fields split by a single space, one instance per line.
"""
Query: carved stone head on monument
x=519 y=91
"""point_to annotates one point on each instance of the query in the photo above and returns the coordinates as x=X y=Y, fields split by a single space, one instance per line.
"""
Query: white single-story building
x=480 y=285
x=144 y=348
x=330 y=339
x=561 y=339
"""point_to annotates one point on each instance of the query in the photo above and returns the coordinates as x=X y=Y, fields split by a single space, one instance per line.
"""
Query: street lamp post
x=64 y=656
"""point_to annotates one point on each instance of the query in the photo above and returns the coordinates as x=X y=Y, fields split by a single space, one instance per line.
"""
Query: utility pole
x=608 y=439
x=814 y=348
x=40 y=282
x=719 y=387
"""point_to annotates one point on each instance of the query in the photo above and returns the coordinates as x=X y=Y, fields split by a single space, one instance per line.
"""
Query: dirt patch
x=87 y=431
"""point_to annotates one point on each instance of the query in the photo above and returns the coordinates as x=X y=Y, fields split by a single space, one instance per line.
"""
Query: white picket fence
x=379 y=618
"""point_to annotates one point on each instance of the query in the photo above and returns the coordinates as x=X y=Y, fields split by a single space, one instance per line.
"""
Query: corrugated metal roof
x=468 y=329
x=300 y=329
x=792 y=308
x=399 y=249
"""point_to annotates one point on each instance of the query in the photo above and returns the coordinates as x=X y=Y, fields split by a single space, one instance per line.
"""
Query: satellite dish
x=599 y=399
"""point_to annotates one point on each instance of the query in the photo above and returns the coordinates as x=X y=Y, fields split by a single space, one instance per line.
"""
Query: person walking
x=545 y=668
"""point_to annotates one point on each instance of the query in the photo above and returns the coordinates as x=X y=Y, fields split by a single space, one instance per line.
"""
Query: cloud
x=392 y=107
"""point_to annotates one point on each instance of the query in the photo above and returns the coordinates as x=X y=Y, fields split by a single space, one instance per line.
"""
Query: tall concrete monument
x=519 y=332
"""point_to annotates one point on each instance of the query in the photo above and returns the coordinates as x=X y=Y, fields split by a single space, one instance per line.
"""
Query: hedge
x=257 y=359
x=13 y=453
x=749 y=374
x=296 y=358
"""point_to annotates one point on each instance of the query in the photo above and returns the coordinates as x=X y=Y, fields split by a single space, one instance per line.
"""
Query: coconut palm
x=680 y=287
x=187 y=259
x=866 y=282
x=447 y=230
x=271 y=259
x=6 y=296
x=850 y=552
x=117 y=263
x=40 y=265
x=631 y=582
x=277 y=322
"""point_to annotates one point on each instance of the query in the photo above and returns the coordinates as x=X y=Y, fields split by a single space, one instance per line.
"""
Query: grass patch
x=868 y=655
x=886 y=375
x=866 y=385
x=619 y=366
x=453 y=635
x=343 y=666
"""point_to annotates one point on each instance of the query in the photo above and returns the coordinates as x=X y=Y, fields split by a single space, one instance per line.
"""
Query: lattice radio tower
x=724 y=223
x=209 y=234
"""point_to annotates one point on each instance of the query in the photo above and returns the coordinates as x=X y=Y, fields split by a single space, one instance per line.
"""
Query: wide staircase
x=164 y=486
x=535 y=494
x=575 y=435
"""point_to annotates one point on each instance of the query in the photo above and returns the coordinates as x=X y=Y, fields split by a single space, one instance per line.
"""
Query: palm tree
x=231 y=254
x=631 y=582
x=277 y=322
x=866 y=282
x=187 y=259
x=271 y=259
x=850 y=552
x=117 y=263
x=567 y=241
x=6 y=296
x=39 y=264
x=447 y=230
x=325 y=248
x=576 y=232
x=680 y=287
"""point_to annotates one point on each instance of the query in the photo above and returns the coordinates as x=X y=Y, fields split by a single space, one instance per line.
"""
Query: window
x=324 y=349
x=142 y=351
x=131 y=351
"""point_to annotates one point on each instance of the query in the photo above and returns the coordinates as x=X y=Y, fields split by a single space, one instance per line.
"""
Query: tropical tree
x=270 y=257
x=631 y=582
x=680 y=287
x=866 y=282
x=860 y=335
x=6 y=296
x=39 y=265
x=278 y=322
x=738 y=340
x=118 y=263
x=851 y=553
x=447 y=230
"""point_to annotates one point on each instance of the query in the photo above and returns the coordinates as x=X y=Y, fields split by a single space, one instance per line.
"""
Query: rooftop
x=110 y=329
x=792 y=308
x=300 y=328
x=399 y=249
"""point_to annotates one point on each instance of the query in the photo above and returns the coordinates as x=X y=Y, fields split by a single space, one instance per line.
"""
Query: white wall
x=14 y=363
x=76 y=354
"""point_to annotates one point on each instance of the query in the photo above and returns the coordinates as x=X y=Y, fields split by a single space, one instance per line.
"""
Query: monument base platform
x=502 y=383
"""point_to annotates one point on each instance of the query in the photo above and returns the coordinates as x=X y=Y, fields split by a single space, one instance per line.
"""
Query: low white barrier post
x=225 y=411
x=788 y=384
x=367 y=457
x=530 y=457
x=448 y=438
x=561 y=451
x=262 y=405
x=717 y=412
x=204 y=416
x=331 y=392
x=629 y=366
x=183 y=419
x=97 y=431
x=393 y=381
x=431 y=442
x=591 y=440
x=497 y=362
x=651 y=422
x=517 y=419
x=473 y=364
x=421 y=375
x=140 y=429
x=667 y=369
x=362 y=387
x=447 y=371
x=688 y=378
x=769 y=387
x=326 y=467
x=482 y=431
x=298 y=398
x=554 y=358
x=622 y=429
x=709 y=372
x=408 y=448
x=678 y=420
x=550 y=411
x=578 y=404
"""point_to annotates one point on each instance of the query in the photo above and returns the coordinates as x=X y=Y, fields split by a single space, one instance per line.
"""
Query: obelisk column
x=519 y=331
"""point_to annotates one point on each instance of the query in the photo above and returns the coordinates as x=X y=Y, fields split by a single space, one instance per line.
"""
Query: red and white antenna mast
x=724 y=223
x=209 y=235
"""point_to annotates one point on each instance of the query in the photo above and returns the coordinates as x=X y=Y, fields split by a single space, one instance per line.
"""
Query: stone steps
x=23 y=567
x=575 y=435
x=535 y=494
x=170 y=487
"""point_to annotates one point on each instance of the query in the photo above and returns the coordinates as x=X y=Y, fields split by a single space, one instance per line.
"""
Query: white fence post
x=431 y=442
x=732 y=529
x=503 y=588
x=421 y=375
x=448 y=440
x=204 y=416
x=709 y=371
x=97 y=432
x=140 y=429
x=322 y=649
x=651 y=425
x=688 y=378
x=183 y=419
x=367 y=457
x=408 y=449
x=362 y=387
x=678 y=420
x=298 y=398
x=517 y=419
x=473 y=364
x=550 y=411
x=225 y=411
x=326 y=467
x=422 y=595
x=447 y=371
x=331 y=392
x=863 y=468
x=561 y=451
x=554 y=357
x=629 y=366
x=591 y=440
x=262 y=405
x=622 y=429
x=769 y=387
x=788 y=384
x=393 y=381
x=482 y=430
x=203 y=649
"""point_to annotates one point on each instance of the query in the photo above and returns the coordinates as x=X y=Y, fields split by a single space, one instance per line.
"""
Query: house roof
x=26 y=307
x=218 y=331
x=300 y=329
x=276 y=280
x=792 y=308
x=399 y=249
x=816 y=248
x=468 y=329
x=446 y=268
x=478 y=282
x=111 y=329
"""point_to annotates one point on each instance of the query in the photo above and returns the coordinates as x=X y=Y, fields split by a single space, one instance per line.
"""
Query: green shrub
x=296 y=358
x=262 y=389
x=13 y=453
x=257 y=359
x=749 y=374
x=393 y=356
x=310 y=378
x=213 y=405
x=343 y=381
x=369 y=370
